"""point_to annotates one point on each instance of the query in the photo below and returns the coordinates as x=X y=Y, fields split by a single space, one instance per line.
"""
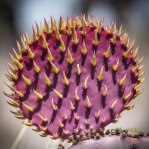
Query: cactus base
x=116 y=139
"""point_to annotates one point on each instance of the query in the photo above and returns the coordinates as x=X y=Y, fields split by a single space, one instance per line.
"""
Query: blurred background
x=18 y=16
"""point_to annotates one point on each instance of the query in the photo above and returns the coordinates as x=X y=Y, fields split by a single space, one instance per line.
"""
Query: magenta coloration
x=74 y=78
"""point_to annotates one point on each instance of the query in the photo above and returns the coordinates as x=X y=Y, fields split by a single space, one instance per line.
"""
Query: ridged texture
x=115 y=139
x=73 y=78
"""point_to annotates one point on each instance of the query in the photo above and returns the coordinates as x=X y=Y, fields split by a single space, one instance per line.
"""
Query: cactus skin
x=73 y=78
x=127 y=139
x=114 y=142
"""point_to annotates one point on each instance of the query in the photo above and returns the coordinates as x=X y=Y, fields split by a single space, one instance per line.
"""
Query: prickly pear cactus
x=73 y=78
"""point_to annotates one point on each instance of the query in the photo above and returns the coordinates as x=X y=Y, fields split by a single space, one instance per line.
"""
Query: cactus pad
x=73 y=78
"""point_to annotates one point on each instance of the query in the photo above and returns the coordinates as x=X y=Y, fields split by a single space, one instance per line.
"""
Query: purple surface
x=94 y=92
x=114 y=142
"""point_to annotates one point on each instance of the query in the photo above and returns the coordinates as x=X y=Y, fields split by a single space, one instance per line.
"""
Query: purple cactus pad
x=74 y=78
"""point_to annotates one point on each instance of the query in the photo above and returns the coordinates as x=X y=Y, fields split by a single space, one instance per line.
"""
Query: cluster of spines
x=124 y=133
x=70 y=26
x=130 y=138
